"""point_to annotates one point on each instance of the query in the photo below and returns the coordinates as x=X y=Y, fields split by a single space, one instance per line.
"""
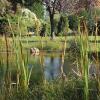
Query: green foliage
x=90 y=18
x=18 y=24
x=55 y=90
x=12 y=10
x=84 y=14
x=61 y=24
x=97 y=11
x=4 y=26
x=37 y=8
x=55 y=24
x=74 y=50
x=47 y=23
x=73 y=22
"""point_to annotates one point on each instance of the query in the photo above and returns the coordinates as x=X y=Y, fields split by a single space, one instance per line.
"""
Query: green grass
x=56 y=90
x=65 y=87
x=62 y=88
x=47 y=44
x=58 y=39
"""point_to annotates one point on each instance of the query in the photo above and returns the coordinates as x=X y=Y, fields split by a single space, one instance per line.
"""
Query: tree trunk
x=52 y=26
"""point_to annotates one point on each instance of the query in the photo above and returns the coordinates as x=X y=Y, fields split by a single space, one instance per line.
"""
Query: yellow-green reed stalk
x=23 y=81
x=64 y=48
x=76 y=38
x=84 y=59
x=42 y=43
x=42 y=67
x=96 y=38
x=7 y=74
x=37 y=25
x=96 y=51
x=23 y=72
x=25 y=22
x=15 y=48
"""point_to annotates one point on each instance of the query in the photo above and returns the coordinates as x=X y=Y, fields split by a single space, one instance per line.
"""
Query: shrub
x=4 y=26
x=37 y=8
x=90 y=19
x=74 y=50
x=61 y=24
x=73 y=22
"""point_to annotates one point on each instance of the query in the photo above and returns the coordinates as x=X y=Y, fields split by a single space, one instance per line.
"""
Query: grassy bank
x=80 y=87
x=57 y=90
x=47 y=44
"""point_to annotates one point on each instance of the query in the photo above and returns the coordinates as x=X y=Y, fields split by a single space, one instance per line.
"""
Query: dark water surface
x=49 y=62
x=46 y=64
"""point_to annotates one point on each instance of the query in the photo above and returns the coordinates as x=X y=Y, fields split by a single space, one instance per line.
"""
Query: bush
x=91 y=25
x=13 y=20
x=61 y=24
x=47 y=28
x=90 y=19
x=73 y=22
x=37 y=8
x=18 y=24
x=74 y=50
x=4 y=26
x=56 y=90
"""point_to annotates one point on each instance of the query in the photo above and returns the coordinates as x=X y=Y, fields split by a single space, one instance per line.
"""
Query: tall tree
x=53 y=6
x=50 y=8
x=65 y=6
x=25 y=3
x=86 y=4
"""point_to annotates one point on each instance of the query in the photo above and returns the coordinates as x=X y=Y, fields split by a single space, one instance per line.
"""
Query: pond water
x=47 y=65
x=50 y=63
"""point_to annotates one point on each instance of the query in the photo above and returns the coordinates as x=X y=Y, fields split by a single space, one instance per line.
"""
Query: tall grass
x=97 y=59
x=84 y=65
x=64 y=46
x=84 y=60
x=7 y=73
x=23 y=73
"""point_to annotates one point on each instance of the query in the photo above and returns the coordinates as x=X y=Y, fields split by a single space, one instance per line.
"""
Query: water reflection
x=47 y=64
x=52 y=67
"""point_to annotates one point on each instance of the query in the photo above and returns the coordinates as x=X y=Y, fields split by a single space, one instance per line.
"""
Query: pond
x=45 y=66
x=49 y=62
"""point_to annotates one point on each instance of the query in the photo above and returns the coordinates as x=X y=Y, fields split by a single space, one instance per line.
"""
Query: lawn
x=45 y=43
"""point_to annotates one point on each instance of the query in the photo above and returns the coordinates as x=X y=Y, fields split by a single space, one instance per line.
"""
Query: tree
x=25 y=3
x=37 y=8
x=86 y=4
x=52 y=6
x=61 y=6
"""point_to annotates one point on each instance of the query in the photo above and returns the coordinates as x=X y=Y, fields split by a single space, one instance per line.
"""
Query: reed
x=84 y=61
x=7 y=73
x=64 y=46
x=59 y=87
x=23 y=73
x=97 y=56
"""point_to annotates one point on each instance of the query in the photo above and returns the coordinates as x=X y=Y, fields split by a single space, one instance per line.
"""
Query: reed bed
x=63 y=88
